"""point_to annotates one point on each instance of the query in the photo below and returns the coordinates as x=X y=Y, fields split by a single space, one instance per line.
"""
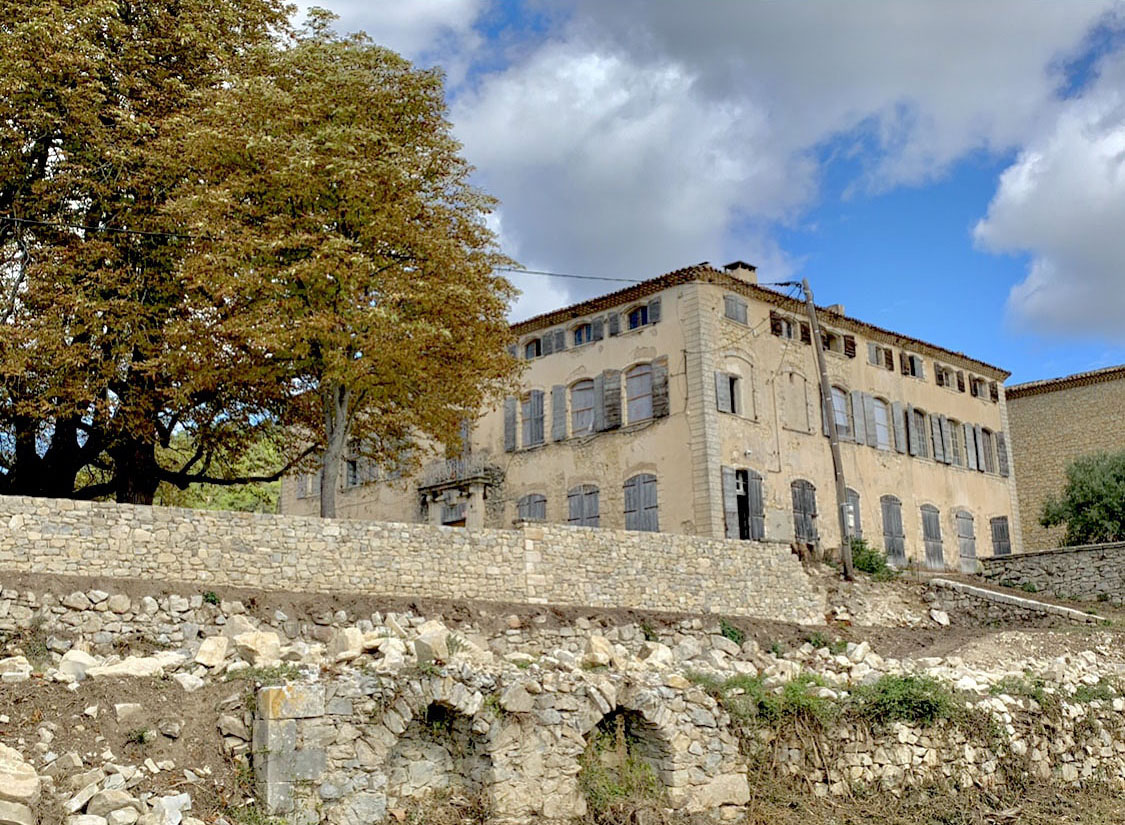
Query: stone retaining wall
x=1094 y=571
x=536 y=564
x=981 y=605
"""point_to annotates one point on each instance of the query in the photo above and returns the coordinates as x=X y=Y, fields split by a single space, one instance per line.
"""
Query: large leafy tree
x=105 y=351
x=1092 y=505
x=335 y=201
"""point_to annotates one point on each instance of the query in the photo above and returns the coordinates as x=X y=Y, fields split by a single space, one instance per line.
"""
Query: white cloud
x=1063 y=202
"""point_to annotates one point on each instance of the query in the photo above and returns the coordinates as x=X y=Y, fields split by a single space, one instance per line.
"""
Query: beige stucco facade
x=1054 y=422
x=741 y=395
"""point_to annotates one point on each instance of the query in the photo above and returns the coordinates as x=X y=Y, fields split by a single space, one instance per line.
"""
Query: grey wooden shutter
x=931 y=537
x=898 y=414
x=869 y=420
x=591 y=506
x=903 y=363
x=894 y=537
x=806 y=333
x=558 y=413
x=889 y=360
x=560 y=340
x=548 y=343
x=597 y=327
x=982 y=462
x=859 y=419
x=537 y=424
x=513 y=350
x=599 y=402
x=947 y=439
x=960 y=381
x=510 y=406
x=913 y=437
x=649 y=505
x=654 y=311
x=660 y=405
x=939 y=376
x=730 y=502
x=935 y=431
x=872 y=353
x=632 y=503
x=1002 y=454
x=853 y=505
x=722 y=392
x=614 y=323
x=575 y=514
x=970 y=446
x=1001 y=539
x=849 y=346
x=757 y=506
x=612 y=399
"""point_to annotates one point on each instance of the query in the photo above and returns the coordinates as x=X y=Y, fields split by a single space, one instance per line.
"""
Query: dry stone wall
x=1095 y=571
x=537 y=564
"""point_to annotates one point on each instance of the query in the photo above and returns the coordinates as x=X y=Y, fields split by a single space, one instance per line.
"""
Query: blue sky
x=948 y=168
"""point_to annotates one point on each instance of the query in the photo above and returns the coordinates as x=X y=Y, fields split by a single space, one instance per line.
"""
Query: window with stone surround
x=641 y=505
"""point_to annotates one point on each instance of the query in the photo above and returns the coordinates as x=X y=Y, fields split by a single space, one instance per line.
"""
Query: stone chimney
x=743 y=271
x=835 y=309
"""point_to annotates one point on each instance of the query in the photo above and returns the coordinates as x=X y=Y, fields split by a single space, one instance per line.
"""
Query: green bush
x=210 y=597
x=1104 y=691
x=818 y=640
x=867 y=559
x=731 y=632
x=920 y=700
x=613 y=776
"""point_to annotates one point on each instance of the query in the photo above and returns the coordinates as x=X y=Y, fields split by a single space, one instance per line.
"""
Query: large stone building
x=1054 y=422
x=689 y=403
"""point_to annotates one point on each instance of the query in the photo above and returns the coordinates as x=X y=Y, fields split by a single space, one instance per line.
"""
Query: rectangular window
x=734 y=308
x=532 y=349
x=923 y=432
x=638 y=393
x=1001 y=539
x=989 y=448
x=727 y=392
x=531 y=411
x=532 y=507
x=781 y=326
x=582 y=506
x=841 y=413
x=583 y=334
x=912 y=365
x=641 y=511
x=882 y=425
x=638 y=317
x=582 y=407
x=944 y=376
x=955 y=441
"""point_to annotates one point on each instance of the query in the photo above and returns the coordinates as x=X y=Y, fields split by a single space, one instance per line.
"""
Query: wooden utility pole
x=833 y=436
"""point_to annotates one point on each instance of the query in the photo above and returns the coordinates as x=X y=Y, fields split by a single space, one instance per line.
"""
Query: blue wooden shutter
x=510 y=425
x=558 y=413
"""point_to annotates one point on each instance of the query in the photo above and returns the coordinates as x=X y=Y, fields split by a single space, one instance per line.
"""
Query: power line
x=569 y=275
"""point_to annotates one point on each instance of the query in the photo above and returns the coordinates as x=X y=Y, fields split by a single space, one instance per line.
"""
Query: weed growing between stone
x=731 y=632
x=915 y=700
x=867 y=559
x=615 y=778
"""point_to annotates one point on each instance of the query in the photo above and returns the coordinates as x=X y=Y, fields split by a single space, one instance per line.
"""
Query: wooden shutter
x=918 y=367
x=547 y=345
x=849 y=346
x=913 y=437
x=650 y=519
x=599 y=402
x=597 y=329
x=632 y=503
x=775 y=324
x=982 y=462
x=869 y=420
x=560 y=340
x=859 y=419
x=853 y=506
x=806 y=334
x=960 y=381
x=903 y=363
x=612 y=399
x=935 y=432
x=591 y=506
x=513 y=350
x=1001 y=539
x=898 y=414
x=510 y=407
x=722 y=392
x=558 y=413
x=730 y=502
x=931 y=535
x=574 y=506
x=537 y=423
x=660 y=405
x=994 y=393
x=889 y=360
x=972 y=387
x=947 y=439
x=894 y=537
x=872 y=353
x=654 y=311
x=614 y=323
x=970 y=446
x=756 y=498
x=1002 y=454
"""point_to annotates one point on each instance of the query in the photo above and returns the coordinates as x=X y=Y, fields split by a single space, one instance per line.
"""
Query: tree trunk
x=135 y=472
x=335 y=440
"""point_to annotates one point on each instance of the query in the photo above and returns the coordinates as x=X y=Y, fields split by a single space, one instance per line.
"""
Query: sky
x=951 y=169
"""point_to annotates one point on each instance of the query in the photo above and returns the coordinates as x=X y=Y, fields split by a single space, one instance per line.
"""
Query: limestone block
x=213 y=651
x=346 y=644
x=188 y=681
x=432 y=643
x=103 y=802
x=237 y=625
x=18 y=780
x=292 y=701
x=77 y=802
x=75 y=663
x=12 y=813
x=85 y=819
x=122 y=816
x=516 y=699
x=119 y=603
x=129 y=713
x=599 y=652
x=76 y=601
x=259 y=648
x=140 y=666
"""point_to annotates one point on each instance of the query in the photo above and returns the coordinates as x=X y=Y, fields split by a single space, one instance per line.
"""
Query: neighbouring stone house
x=1054 y=422
x=689 y=403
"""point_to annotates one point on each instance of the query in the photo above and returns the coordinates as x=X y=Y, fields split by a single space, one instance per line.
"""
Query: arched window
x=931 y=537
x=583 y=334
x=582 y=506
x=582 y=407
x=804 y=511
x=532 y=507
x=532 y=349
x=882 y=411
x=638 y=392
x=641 y=507
x=842 y=412
x=855 y=524
x=894 y=537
